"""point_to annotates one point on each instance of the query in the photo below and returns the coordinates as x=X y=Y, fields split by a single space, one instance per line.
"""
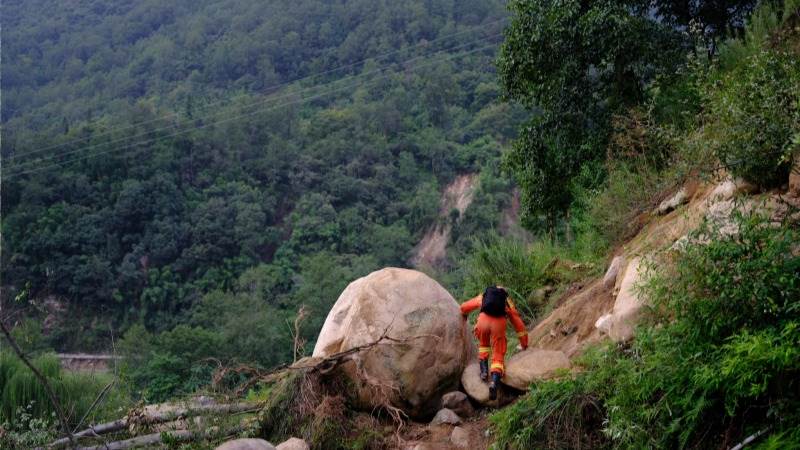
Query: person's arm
x=517 y=323
x=471 y=305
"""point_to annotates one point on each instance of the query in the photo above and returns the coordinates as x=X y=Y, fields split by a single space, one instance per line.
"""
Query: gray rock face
x=458 y=402
x=446 y=416
x=293 y=444
x=460 y=437
x=430 y=341
x=246 y=444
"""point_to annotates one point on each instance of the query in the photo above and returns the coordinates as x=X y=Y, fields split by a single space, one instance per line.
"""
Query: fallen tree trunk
x=156 y=438
x=156 y=417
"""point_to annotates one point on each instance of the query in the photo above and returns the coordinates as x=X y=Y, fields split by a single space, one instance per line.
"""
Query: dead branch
x=299 y=342
x=157 y=417
x=94 y=404
x=50 y=393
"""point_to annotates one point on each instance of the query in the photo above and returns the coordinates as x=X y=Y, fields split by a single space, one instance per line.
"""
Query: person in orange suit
x=495 y=306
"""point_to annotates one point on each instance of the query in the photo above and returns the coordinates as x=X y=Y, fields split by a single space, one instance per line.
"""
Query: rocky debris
x=610 y=278
x=446 y=417
x=293 y=444
x=531 y=365
x=458 y=402
x=426 y=344
x=460 y=437
x=246 y=444
x=673 y=202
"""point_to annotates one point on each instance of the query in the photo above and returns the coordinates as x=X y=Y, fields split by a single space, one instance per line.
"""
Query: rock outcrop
x=673 y=202
x=531 y=365
x=246 y=444
x=619 y=324
x=425 y=342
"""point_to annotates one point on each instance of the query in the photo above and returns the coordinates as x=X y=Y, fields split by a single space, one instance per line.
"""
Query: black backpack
x=494 y=301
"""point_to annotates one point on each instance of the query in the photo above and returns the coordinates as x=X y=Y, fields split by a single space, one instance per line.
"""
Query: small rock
x=458 y=402
x=604 y=323
x=446 y=416
x=460 y=437
x=246 y=444
x=610 y=278
x=293 y=444
x=475 y=387
x=673 y=202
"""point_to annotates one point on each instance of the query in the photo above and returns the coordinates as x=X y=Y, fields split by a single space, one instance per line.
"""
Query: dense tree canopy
x=579 y=63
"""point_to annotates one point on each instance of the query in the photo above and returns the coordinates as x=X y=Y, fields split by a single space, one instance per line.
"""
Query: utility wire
x=241 y=116
x=266 y=91
x=211 y=116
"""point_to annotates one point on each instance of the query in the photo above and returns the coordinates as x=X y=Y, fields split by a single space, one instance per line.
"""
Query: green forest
x=170 y=166
x=191 y=185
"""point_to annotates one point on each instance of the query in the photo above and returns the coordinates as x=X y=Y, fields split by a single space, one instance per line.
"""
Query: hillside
x=159 y=157
x=571 y=226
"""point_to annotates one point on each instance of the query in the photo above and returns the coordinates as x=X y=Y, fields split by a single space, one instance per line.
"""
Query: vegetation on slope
x=716 y=361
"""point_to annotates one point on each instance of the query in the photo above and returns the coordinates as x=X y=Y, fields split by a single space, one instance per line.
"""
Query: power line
x=265 y=91
x=241 y=116
x=256 y=103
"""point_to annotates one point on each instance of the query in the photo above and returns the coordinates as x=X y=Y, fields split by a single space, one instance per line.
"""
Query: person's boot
x=484 y=363
x=494 y=384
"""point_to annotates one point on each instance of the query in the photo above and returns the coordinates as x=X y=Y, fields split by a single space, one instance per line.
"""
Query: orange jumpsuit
x=491 y=332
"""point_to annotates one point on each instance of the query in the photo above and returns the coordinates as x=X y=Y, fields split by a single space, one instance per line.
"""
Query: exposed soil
x=432 y=249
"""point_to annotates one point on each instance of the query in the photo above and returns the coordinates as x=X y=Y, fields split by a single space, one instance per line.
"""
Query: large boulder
x=534 y=364
x=425 y=341
x=246 y=444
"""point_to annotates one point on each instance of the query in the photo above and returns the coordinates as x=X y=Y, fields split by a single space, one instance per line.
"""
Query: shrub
x=756 y=108
x=754 y=102
x=22 y=391
x=520 y=268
